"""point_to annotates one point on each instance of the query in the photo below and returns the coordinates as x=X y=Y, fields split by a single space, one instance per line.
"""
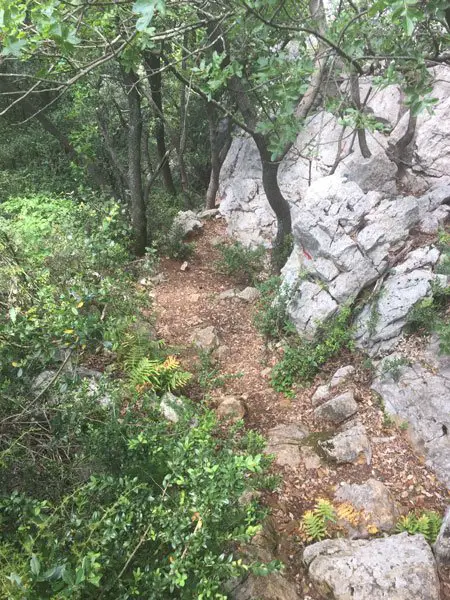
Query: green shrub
x=161 y=518
x=241 y=263
x=101 y=496
x=302 y=358
x=61 y=283
x=393 y=367
x=429 y=315
x=176 y=247
x=271 y=317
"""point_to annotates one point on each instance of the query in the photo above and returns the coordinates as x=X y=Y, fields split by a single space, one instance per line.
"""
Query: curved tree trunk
x=278 y=203
x=137 y=204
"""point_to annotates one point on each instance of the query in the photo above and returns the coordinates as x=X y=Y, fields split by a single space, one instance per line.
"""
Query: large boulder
x=400 y=567
x=420 y=395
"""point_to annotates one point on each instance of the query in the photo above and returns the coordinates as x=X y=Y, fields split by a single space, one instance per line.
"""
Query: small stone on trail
x=350 y=446
x=227 y=294
x=184 y=266
x=231 y=409
x=284 y=442
x=338 y=409
x=206 y=338
x=324 y=391
x=249 y=294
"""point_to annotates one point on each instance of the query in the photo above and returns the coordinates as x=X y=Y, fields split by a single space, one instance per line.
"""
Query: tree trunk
x=137 y=204
x=278 y=203
x=181 y=146
x=356 y=99
x=220 y=142
x=401 y=153
x=153 y=68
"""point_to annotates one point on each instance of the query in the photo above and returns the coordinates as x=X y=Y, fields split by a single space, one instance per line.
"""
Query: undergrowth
x=244 y=264
x=101 y=496
x=430 y=315
x=302 y=359
x=209 y=376
x=428 y=523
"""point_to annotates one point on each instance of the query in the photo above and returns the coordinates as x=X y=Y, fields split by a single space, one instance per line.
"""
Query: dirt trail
x=188 y=300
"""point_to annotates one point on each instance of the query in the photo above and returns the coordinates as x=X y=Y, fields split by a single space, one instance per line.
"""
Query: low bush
x=160 y=516
x=302 y=358
x=271 y=317
x=241 y=263
x=431 y=315
x=101 y=496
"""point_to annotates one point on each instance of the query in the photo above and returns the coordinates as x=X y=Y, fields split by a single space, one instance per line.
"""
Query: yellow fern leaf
x=347 y=512
x=372 y=529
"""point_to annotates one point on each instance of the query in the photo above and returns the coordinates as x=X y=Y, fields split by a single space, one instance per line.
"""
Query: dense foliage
x=100 y=492
x=114 y=117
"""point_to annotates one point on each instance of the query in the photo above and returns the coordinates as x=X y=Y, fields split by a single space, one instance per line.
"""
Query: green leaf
x=13 y=47
x=35 y=565
x=146 y=9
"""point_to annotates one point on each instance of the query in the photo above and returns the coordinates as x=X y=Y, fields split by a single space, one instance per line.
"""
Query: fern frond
x=347 y=512
x=157 y=375
x=434 y=525
x=314 y=526
x=407 y=523
x=325 y=510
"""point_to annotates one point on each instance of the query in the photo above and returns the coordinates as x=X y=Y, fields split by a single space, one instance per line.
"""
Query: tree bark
x=220 y=142
x=137 y=204
x=153 y=69
x=356 y=99
x=401 y=152
x=278 y=203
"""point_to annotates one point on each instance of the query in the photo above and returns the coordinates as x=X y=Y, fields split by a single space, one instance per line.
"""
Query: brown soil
x=187 y=300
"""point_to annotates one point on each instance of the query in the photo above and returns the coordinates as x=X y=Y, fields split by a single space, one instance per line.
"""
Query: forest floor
x=188 y=300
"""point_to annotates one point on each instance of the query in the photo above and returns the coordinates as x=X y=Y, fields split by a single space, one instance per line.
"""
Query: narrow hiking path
x=188 y=300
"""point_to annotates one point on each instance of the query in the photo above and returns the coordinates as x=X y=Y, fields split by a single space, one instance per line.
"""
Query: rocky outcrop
x=442 y=544
x=352 y=229
x=346 y=240
x=322 y=144
x=400 y=567
x=420 y=395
